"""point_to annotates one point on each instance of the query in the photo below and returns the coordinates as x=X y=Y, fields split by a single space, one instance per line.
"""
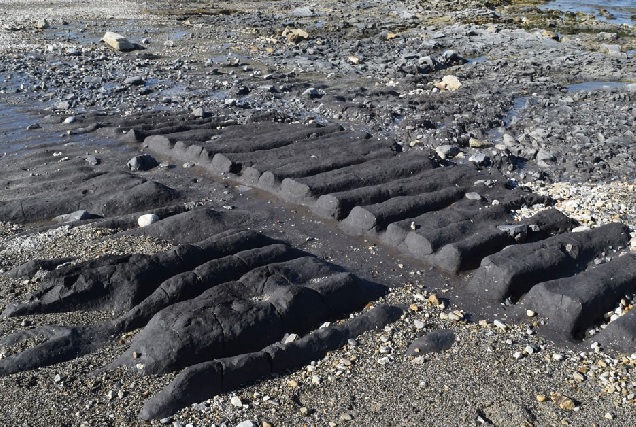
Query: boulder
x=143 y=162
x=117 y=41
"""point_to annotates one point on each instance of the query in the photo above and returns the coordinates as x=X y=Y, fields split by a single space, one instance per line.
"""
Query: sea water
x=620 y=11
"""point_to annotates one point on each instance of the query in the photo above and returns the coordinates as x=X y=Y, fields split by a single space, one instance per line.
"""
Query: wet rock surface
x=289 y=161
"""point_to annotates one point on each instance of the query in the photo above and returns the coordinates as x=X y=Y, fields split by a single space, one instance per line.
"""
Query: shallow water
x=621 y=11
x=589 y=86
x=17 y=139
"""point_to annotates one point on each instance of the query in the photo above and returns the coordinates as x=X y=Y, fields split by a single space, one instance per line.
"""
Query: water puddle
x=590 y=86
x=613 y=11
x=476 y=60
x=518 y=104
x=16 y=137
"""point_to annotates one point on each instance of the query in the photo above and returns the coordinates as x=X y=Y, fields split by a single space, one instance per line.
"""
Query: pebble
x=236 y=401
x=562 y=401
x=346 y=417
x=147 y=219
x=499 y=324
x=578 y=376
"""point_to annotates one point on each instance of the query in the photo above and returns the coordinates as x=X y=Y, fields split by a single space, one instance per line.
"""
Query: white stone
x=42 y=24
x=236 y=401
x=117 y=41
x=498 y=323
x=291 y=338
x=147 y=219
x=451 y=83
x=246 y=424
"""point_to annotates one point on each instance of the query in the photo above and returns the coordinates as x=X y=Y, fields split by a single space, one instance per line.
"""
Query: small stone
x=479 y=158
x=293 y=383
x=69 y=120
x=562 y=401
x=529 y=349
x=42 y=24
x=266 y=424
x=517 y=355
x=478 y=143
x=311 y=93
x=303 y=12
x=472 y=196
x=455 y=316
x=557 y=356
x=92 y=160
x=418 y=324
x=550 y=34
x=290 y=338
x=499 y=324
x=432 y=299
x=246 y=423
x=199 y=112
x=147 y=219
x=354 y=60
x=451 y=83
x=236 y=401
x=541 y=398
x=447 y=151
x=609 y=416
x=134 y=81
x=303 y=410
x=413 y=307
x=579 y=377
x=346 y=417
x=295 y=35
